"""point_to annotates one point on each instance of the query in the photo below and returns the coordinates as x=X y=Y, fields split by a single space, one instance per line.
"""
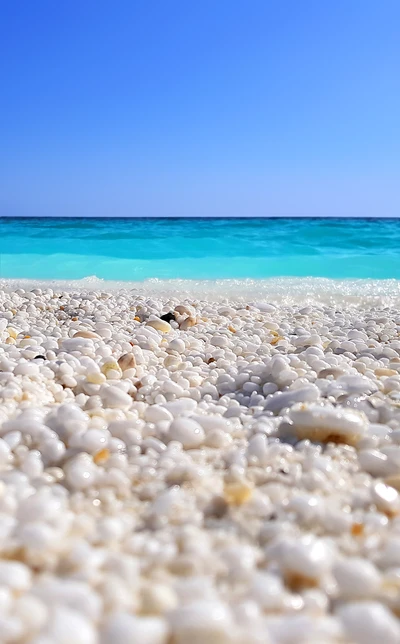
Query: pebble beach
x=185 y=470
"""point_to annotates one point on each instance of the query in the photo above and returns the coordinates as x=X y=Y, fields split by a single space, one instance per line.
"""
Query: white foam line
x=285 y=290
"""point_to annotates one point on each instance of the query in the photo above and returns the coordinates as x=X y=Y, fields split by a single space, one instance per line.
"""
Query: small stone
x=96 y=378
x=280 y=400
x=86 y=334
x=386 y=499
x=357 y=529
x=369 y=622
x=159 y=325
x=66 y=626
x=15 y=575
x=393 y=481
x=238 y=492
x=187 y=432
x=219 y=341
x=375 y=462
x=122 y=628
x=177 y=345
x=303 y=561
x=156 y=413
x=81 y=345
x=110 y=365
x=181 y=407
x=101 y=456
x=328 y=424
x=356 y=578
x=115 y=398
x=385 y=372
x=127 y=361
x=202 y=621
x=32 y=612
x=168 y=317
x=157 y=599
x=80 y=472
x=187 y=323
x=182 y=309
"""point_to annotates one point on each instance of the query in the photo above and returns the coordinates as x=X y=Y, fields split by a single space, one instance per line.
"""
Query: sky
x=200 y=108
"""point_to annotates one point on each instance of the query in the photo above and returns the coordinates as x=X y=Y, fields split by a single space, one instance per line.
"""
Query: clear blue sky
x=200 y=107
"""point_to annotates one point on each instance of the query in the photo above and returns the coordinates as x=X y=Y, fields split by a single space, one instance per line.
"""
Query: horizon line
x=193 y=217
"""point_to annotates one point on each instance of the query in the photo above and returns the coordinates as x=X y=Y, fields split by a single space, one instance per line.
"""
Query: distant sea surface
x=198 y=249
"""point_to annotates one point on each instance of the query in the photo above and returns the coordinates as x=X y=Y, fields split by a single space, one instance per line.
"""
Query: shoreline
x=229 y=475
x=282 y=290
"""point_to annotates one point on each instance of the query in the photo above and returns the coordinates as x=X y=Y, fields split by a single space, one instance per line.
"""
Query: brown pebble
x=217 y=508
x=185 y=566
x=297 y=582
x=127 y=361
x=187 y=323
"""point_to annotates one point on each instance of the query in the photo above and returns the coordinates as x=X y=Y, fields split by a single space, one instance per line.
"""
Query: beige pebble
x=157 y=599
x=110 y=365
x=187 y=323
x=96 y=378
x=86 y=334
x=13 y=333
x=160 y=325
x=393 y=481
x=237 y=493
x=385 y=372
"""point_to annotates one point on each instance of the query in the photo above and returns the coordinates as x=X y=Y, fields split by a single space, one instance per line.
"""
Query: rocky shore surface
x=178 y=471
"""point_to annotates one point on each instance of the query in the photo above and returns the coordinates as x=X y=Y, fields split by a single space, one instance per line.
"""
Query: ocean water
x=134 y=250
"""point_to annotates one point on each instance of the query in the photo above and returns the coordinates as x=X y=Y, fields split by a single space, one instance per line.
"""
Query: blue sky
x=208 y=107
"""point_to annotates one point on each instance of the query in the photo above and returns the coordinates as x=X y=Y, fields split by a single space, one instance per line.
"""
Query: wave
x=279 y=290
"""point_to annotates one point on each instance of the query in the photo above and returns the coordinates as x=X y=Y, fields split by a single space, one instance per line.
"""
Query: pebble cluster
x=177 y=471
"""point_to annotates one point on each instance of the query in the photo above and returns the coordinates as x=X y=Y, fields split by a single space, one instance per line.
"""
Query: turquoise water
x=138 y=249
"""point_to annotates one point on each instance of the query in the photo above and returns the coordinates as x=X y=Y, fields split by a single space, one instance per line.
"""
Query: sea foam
x=282 y=290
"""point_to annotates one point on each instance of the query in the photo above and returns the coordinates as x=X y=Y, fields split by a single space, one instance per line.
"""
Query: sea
x=259 y=254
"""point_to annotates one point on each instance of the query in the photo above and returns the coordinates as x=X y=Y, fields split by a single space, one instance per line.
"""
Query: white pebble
x=187 y=432
x=356 y=578
x=80 y=472
x=129 y=629
x=202 y=621
x=369 y=623
x=324 y=423
x=15 y=575
x=115 y=398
